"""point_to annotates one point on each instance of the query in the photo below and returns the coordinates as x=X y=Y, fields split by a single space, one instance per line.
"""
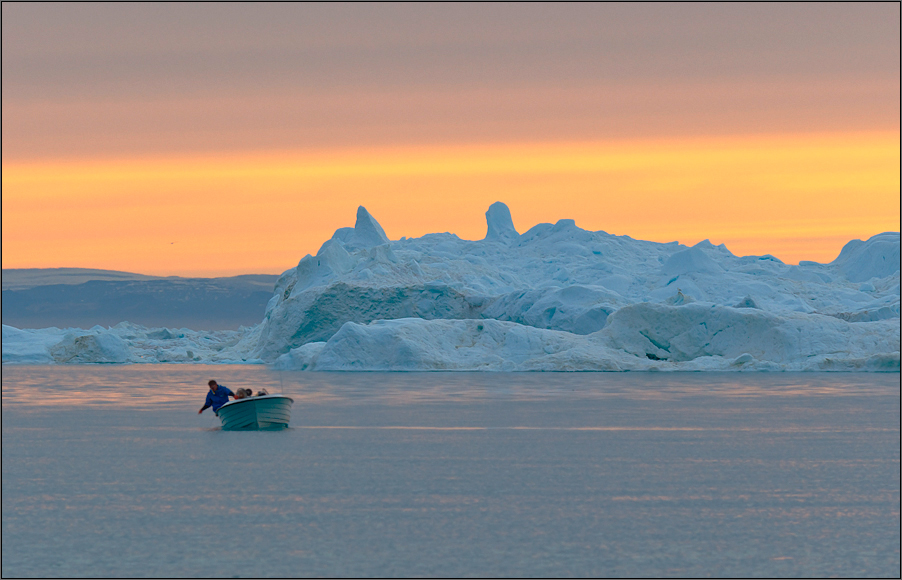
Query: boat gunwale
x=247 y=399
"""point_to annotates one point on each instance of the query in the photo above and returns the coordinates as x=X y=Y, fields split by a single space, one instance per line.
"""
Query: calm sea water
x=109 y=471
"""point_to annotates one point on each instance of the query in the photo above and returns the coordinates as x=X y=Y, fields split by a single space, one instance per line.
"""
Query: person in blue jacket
x=217 y=397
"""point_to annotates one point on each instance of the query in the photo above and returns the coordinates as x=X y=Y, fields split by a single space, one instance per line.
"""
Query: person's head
x=213 y=385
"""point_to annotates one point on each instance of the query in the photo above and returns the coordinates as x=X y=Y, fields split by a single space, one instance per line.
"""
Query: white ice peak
x=500 y=224
x=367 y=231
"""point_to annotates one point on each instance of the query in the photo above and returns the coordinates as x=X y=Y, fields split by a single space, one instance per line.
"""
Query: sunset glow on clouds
x=771 y=129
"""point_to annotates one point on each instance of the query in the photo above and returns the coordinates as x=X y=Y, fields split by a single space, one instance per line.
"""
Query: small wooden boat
x=256 y=413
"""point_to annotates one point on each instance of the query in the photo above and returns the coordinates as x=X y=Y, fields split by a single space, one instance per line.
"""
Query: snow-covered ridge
x=558 y=297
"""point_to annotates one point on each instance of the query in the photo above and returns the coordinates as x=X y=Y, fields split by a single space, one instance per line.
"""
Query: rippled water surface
x=110 y=471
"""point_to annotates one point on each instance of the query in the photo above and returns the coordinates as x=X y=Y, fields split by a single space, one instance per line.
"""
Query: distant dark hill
x=197 y=303
x=22 y=278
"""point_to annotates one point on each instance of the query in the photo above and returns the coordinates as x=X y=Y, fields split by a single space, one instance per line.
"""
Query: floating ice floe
x=126 y=343
x=555 y=297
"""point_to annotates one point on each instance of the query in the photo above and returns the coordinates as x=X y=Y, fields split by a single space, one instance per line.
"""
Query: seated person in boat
x=217 y=397
x=243 y=393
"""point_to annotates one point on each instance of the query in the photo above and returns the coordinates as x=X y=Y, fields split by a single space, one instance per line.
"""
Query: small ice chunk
x=91 y=348
x=747 y=302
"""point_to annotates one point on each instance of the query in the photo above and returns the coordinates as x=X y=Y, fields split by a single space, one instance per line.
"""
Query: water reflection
x=606 y=428
x=451 y=474
x=153 y=386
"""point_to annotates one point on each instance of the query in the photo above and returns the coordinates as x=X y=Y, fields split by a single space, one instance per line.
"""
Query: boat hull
x=267 y=412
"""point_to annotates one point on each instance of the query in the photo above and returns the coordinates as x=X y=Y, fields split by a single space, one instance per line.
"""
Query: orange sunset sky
x=222 y=139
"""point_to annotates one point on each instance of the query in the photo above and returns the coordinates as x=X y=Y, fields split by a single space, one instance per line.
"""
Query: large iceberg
x=555 y=297
x=572 y=299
